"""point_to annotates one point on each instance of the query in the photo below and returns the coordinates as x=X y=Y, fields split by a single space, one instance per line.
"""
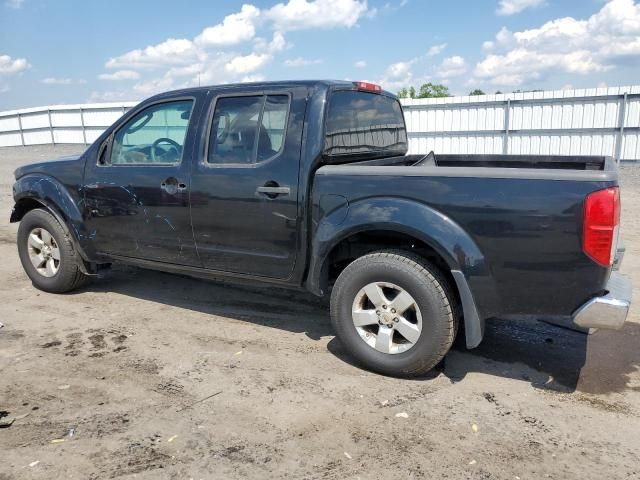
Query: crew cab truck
x=308 y=185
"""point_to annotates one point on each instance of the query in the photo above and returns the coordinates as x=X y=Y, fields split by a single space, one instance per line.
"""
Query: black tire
x=68 y=276
x=432 y=294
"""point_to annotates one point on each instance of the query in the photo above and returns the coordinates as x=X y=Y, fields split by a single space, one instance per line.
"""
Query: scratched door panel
x=134 y=216
x=137 y=196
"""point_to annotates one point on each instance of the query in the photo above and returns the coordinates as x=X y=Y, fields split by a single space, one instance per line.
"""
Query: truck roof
x=267 y=85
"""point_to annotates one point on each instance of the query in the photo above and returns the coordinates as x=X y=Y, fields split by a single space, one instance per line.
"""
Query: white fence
x=598 y=121
x=58 y=123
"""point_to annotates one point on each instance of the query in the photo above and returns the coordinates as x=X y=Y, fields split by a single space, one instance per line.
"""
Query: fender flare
x=459 y=251
x=57 y=200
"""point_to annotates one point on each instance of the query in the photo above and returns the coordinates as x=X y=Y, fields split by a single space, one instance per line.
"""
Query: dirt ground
x=112 y=379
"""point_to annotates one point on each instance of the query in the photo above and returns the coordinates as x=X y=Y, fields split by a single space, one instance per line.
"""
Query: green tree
x=477 y=91
x=403 y=93
x=431 y=90
x=498 y=92
x=412 y=92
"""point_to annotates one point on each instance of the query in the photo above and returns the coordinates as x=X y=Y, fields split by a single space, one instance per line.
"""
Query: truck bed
x=551 y=162
x=523 y=212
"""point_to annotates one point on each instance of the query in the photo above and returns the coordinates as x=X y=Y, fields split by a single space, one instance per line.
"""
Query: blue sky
x=76 y=51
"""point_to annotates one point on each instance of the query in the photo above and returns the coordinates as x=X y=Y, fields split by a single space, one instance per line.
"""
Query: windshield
x=364 y=125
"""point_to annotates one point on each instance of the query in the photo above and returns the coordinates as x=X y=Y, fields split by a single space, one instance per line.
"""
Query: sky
x=81 y=51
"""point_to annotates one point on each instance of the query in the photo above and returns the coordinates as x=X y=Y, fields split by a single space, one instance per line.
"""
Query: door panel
x=137 y=195
x=244 y=200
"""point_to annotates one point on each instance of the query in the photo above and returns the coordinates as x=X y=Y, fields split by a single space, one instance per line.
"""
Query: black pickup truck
x=308 y=185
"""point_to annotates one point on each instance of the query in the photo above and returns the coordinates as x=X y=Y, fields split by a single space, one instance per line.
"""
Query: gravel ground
x=112 y=379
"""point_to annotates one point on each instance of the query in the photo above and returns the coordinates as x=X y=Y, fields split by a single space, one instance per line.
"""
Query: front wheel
x=47 y=254
x=394 y=312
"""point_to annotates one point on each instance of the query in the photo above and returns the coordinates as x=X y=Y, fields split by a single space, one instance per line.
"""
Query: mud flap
x=473 y=324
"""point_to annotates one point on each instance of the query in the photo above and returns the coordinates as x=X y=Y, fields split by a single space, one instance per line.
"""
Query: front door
x=137 y=193
x=244 y=201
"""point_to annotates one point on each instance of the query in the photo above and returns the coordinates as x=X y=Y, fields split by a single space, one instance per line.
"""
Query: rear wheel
x=47 y=254
x=394 y=312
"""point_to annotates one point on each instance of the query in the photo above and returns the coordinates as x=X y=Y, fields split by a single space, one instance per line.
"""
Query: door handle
x=272 y=190
x=172 y=186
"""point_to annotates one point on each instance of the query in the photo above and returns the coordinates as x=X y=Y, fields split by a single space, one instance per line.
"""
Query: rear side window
x=247 y=129
x=364 y=125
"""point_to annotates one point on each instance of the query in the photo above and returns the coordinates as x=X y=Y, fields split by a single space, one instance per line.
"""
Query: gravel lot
x=109 y=378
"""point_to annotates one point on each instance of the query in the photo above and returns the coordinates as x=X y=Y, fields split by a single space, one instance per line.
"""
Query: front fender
x=421 y=222
x=57 y=198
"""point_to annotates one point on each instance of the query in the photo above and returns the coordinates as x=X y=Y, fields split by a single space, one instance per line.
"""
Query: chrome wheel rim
x=386 y=317
x=44 y=252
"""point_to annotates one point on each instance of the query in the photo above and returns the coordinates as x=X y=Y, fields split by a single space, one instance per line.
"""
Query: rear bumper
x=609 y=311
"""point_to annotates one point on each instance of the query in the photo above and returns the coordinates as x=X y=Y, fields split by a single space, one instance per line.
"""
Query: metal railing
x=598 y=121
x=602 y=121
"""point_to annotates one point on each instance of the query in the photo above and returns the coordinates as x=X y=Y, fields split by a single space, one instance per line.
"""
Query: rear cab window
x=363 y=125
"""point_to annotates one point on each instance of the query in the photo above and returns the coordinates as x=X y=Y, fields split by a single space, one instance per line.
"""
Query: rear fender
x=470 y=271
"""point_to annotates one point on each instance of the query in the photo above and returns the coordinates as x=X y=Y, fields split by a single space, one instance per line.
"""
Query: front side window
x=248 y=129
x=156 y=135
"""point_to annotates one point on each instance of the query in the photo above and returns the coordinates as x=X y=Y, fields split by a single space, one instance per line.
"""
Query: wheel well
x=362 y=243
x=23 y=206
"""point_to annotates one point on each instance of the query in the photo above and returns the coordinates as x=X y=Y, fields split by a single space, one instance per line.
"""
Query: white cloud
x=253 y=78
x=235 y=28
x=436 y=49
x=57 y=81
x=301 y=62
x=244 y=64
x=150 y=87
x=277 y=43
x=120 y=75
x=11 y=66
x=452 y=67
x=230 y=50
x=304 y=14
x=170 y=52
x=14 y=4
x=511 y=7
x=400 y=74
x=112 y=96
x=399 y=69
x=608 y=38
x=360 y=64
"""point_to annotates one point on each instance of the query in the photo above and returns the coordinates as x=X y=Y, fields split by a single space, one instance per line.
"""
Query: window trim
x=135 y=111
x=212 y=110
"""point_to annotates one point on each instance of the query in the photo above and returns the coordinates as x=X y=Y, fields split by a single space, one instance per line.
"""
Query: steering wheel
x=155 y=144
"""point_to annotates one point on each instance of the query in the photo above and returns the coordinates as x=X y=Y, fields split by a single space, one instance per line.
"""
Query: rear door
x=244 y=200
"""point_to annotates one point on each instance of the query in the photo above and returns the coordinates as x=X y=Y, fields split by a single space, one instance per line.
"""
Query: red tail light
x=601 y=220
x=368 y=87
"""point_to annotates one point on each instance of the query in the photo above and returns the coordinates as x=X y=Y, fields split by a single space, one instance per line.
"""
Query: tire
x=432 y=317
x=64 y=274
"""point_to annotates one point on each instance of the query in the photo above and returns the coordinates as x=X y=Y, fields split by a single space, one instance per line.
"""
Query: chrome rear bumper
x=609 y=311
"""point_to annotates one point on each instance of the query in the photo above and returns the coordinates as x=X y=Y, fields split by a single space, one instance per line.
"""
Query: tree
x=431 y=90
x=498 y=92
x=412 y=92
x=403 y=93
x=477 y=91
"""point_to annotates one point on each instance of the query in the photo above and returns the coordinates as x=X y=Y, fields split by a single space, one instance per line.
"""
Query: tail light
x=601 y=220
x=368 y=87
